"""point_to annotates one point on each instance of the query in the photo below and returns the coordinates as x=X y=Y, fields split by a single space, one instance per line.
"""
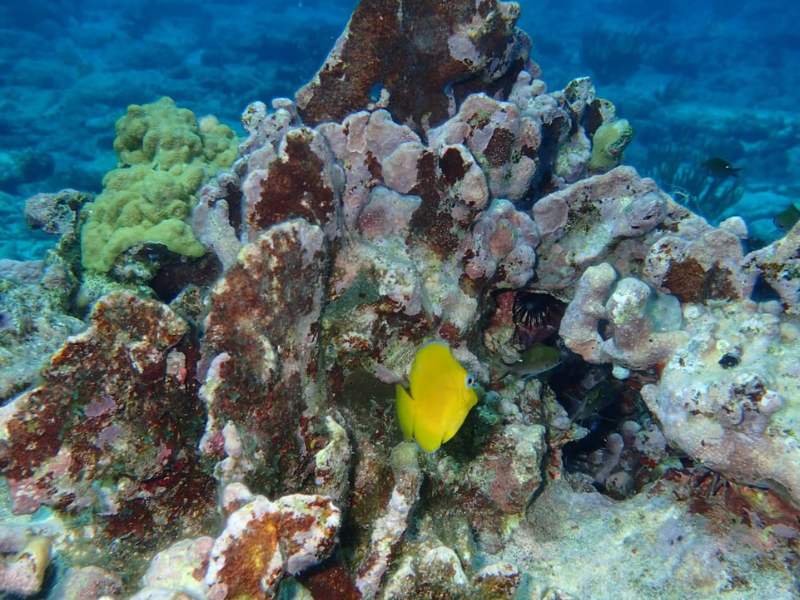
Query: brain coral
x=165 y=155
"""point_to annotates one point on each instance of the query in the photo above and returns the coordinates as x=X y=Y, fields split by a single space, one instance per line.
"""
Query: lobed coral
x=608 y=144
x=165 y=154
x=348 y=233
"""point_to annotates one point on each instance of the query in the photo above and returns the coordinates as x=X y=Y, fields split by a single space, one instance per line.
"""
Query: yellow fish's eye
x=470 y=380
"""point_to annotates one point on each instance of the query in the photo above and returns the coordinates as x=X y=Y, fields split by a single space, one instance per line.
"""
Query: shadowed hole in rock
x=622 y=447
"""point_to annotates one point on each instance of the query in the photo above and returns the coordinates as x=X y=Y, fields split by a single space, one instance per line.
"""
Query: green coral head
x=165 y=155
x=609 y=143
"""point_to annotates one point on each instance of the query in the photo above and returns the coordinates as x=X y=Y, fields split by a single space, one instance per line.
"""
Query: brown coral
x=413 y=52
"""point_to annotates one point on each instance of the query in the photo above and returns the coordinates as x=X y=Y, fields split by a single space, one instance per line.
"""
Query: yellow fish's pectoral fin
x=405 y=411
x=428 y=435
x=454 y=425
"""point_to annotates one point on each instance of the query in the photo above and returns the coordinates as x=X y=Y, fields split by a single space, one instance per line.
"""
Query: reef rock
x=390 y=527
x=264 y=540
x=729 y=397
x=181 y=567
x=111 y=431
x=34 y=319
x=779 y=265
x=651 y=542
x=422 y=59
x=24 y=574
x=262 y=350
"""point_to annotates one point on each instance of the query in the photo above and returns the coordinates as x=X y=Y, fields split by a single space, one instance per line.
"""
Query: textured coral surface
x=232 y=417
x=466 y=46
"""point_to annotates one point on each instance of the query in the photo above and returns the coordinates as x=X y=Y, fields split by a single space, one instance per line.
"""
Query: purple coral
x=351 y=230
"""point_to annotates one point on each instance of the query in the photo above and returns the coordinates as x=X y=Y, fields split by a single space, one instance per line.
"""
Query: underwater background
x=469 y=302
x=714 y=79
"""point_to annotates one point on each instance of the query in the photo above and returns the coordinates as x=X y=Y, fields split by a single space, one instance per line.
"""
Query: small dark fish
x=785 y=220
x=719 y=168
x=594 y=401
x=534 y=361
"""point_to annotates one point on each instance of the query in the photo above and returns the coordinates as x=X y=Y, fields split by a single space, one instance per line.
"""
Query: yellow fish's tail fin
x=405 y=412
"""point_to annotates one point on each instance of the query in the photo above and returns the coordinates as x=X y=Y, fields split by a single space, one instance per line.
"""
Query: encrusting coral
x=349 y=232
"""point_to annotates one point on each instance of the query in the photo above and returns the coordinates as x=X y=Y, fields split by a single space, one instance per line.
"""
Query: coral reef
x=611 y=218
x=112 y=429
x=631 y=310
x=181 y=567
x=392 y=525
x=234 y=416
x=447 y=54
x=165 y=154
x=82 y=583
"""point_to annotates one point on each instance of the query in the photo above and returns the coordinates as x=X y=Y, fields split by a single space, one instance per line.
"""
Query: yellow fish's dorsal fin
x=405 y=411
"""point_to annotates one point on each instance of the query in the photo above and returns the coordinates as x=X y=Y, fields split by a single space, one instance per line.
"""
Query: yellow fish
x=442 y=393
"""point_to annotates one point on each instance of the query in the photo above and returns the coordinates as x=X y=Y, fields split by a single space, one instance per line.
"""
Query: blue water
x=709 y=78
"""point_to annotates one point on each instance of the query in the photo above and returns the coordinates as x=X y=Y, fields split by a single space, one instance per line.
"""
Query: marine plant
x=613 y=55
x=682 y=174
